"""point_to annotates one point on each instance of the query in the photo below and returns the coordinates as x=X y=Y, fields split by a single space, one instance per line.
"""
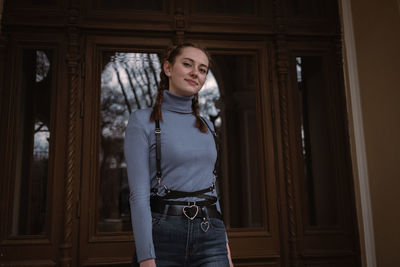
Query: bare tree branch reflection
x=126 y=100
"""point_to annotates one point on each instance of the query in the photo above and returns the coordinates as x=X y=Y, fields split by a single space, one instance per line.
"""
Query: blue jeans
x=179 y=241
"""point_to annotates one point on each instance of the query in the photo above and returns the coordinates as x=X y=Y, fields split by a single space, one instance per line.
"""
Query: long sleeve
x=136 y=149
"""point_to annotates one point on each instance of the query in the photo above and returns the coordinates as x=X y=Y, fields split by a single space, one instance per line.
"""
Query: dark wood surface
x=272 y=32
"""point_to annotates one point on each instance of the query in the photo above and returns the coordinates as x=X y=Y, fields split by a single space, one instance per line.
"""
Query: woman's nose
x=194 y=72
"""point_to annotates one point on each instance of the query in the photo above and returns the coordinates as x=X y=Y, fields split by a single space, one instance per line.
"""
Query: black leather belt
x=190 y=211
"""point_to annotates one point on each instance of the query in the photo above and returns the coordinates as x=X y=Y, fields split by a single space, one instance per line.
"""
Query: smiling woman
x=177 y=189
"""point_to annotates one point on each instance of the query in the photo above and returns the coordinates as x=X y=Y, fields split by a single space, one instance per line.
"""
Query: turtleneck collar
x=177 y=103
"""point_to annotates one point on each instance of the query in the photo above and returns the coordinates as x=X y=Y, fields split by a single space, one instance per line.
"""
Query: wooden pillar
x=3 y=53
x=179 y=23
x=1 y=14
x=282 y=68
x=73 y=61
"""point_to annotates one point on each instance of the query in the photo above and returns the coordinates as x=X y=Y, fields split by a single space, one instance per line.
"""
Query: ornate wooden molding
x=73 y=63
x=2 y=53
x=3 y=47
x=180 y=23
x=1 y=14
x=30 y=263
x=278 y=17
x=283 y=69
x=282 y=66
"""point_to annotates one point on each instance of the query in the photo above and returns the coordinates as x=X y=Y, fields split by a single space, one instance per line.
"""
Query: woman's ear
x=167 y=68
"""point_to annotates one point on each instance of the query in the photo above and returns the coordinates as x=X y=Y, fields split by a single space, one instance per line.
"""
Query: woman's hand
x=229 y=255
x=148 y=263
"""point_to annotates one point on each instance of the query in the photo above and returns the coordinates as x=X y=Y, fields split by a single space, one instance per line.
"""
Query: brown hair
x=170 y=56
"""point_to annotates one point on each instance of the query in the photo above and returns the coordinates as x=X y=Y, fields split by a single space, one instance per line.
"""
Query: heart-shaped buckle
x=205 y=225
x=188 y=209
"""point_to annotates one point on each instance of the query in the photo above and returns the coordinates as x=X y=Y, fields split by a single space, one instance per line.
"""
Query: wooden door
x=114 y=87
x=124 y=79
x=33 y=149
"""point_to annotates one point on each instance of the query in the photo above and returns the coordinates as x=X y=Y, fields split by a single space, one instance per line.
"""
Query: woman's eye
x=203 y=71
x=186 y=64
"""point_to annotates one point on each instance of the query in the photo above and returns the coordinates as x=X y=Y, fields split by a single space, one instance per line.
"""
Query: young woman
x=171 y=154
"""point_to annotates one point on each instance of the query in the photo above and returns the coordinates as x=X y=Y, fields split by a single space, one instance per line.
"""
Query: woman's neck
x=177 y=103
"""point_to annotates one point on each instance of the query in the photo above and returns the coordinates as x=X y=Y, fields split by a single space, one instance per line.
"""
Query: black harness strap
x=180 y=194
x=216 y=141
x=183 y=203
x=157 y=132
x=174 y=194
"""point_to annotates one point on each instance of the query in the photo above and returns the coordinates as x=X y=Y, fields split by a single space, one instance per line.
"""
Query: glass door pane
x=320 y=184
x=128 y=82
x=236 y=123
x=33 y=144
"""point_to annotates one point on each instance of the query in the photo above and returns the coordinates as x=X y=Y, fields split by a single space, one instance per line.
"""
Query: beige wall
x=376 y=25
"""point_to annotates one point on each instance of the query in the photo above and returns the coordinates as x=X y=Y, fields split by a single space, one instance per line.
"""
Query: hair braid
x=196 y=109
x=156 y=114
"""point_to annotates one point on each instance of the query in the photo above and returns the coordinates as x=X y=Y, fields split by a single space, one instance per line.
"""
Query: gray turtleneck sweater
x=187 y=162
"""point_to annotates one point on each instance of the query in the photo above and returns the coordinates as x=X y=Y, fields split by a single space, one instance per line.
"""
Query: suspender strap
x=216 y=141
x=157 y=132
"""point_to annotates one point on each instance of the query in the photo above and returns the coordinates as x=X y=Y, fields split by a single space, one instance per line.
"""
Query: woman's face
x=188 y=72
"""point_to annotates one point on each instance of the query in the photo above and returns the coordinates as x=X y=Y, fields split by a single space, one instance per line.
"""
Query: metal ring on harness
x=166 y=190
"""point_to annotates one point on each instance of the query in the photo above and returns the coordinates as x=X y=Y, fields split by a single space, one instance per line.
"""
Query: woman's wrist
x=148 y=263
x=229 y=255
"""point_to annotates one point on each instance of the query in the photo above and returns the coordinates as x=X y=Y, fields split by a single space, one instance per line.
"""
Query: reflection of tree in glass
x=208 y=97
x=129 y=82
x=41 y=125
x=41 y=140
x=42 y=65
x=42 y=117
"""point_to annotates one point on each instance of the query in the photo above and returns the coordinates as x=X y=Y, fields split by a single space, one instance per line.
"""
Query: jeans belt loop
x=204 y=212
x=165 y=212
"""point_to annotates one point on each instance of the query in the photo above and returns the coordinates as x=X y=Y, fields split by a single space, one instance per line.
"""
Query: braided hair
x=170 y=56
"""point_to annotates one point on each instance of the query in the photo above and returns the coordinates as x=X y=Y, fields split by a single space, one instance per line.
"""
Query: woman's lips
x=191 y=82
